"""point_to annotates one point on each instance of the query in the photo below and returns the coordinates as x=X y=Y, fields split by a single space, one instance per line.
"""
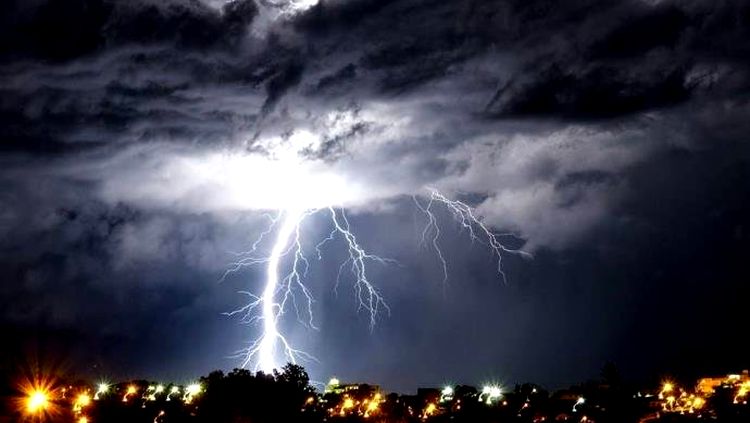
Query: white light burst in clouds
x=255 y=182
x=284 y=178
x=276 y=177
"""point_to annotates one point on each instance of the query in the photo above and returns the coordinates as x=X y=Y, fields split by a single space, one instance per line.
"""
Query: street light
x=580 y=401
x=37 y=401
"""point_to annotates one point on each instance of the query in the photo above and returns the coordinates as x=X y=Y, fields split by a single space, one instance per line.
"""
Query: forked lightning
x=285 y=290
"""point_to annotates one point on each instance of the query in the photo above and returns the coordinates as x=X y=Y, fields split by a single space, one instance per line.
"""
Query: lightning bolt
x=469 y=222
x=284 y=291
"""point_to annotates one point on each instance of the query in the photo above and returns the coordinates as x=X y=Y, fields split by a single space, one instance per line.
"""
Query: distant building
x=335 y=387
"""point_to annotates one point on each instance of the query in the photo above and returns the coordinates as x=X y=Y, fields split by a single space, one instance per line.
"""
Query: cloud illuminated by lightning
x=287 y=177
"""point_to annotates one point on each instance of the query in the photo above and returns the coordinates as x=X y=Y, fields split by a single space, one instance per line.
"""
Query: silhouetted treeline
x=237 y=396
x=241 y=396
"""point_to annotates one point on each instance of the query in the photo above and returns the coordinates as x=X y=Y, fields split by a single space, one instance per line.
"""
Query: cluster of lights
x=742 y=391
x=676 y=400
x=429 y=410
x=153 y=391
x=39 y=399
x=350 y=406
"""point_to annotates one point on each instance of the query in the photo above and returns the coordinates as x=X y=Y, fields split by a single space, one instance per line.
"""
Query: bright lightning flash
x=280 y=291
x=300 y=189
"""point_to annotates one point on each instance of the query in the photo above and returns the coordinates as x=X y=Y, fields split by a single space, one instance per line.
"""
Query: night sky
x=140 y=143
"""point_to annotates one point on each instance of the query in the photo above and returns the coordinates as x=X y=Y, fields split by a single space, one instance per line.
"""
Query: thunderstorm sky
x=142 y=142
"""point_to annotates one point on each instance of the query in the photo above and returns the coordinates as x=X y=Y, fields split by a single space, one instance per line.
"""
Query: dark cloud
x=57 y=30
x=599 y=92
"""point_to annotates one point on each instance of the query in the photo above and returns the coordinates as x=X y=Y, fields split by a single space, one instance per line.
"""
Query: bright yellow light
x=333 y=382
x=83 y=419
x=83 y=400
x=348 y=403
x=429 y=410
x=159 y=389
x=667 y=387
x=37 y=401
x=38 y=394
x=131 y=391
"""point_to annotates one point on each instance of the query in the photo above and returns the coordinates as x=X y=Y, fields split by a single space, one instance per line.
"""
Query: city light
x=579 y=401
x=173 y=391
x=38 y=395
x=191 y=391
x=446 y=394
x=150 y=394
x=429 y=410
x=742 y=393
x=366 y=401
x=490 y=393
x=102 y=389
x=37 y=401
x=130 y=391
x=82 y=401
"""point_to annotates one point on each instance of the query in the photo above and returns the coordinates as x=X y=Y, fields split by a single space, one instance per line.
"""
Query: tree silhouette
x=241 y=396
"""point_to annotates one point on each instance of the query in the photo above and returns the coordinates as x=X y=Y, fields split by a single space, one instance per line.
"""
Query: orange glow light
x=37 y=401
